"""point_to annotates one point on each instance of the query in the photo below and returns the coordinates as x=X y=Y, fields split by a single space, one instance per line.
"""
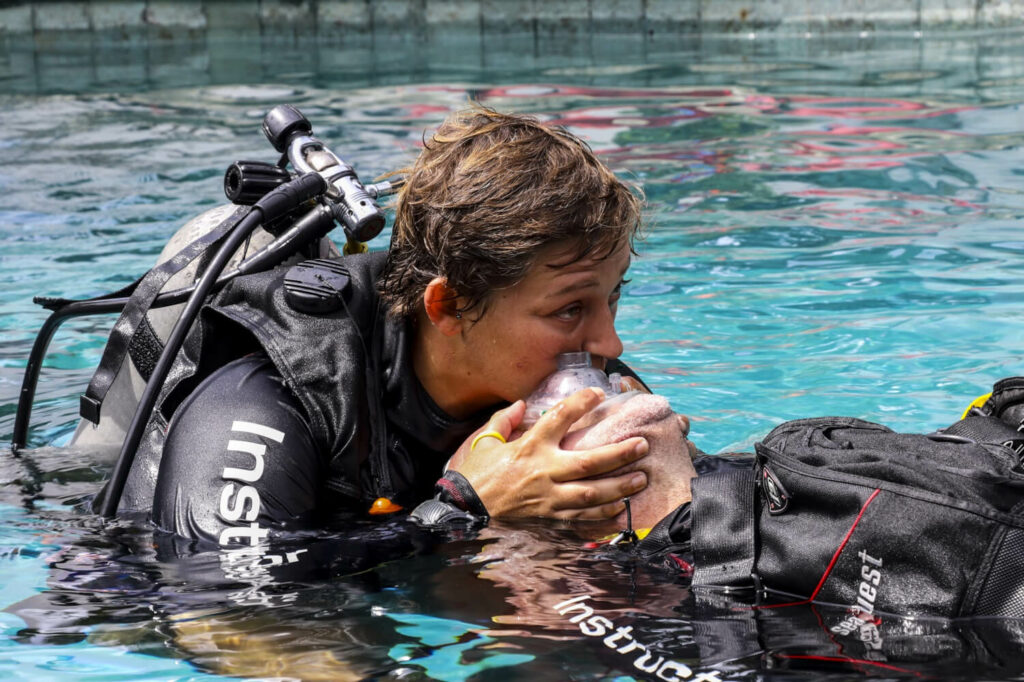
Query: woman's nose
x=602 y=339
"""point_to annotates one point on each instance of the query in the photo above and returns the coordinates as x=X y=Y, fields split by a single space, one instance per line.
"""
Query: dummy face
x=668 y=465
x=560 y=306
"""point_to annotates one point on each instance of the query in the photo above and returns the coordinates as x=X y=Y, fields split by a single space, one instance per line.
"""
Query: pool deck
x=361 y=18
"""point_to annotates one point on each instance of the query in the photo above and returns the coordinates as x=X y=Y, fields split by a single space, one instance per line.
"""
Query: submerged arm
x=239 y=459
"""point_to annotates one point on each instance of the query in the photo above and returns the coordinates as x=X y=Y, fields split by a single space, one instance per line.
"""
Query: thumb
x=503 y=421
x=506 y=420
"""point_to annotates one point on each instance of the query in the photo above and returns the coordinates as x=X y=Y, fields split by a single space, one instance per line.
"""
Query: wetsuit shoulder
x=239 y=459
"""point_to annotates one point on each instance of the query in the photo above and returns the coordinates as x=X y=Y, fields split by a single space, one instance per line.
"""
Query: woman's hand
x=533 y=476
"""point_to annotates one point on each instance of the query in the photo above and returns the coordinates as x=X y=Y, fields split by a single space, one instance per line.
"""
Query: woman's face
x=561 y=306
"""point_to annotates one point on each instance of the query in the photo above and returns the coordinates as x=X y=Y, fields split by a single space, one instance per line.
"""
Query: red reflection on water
x=845 y=107
x=547 y=90
x=603 y=117
x=773 y=144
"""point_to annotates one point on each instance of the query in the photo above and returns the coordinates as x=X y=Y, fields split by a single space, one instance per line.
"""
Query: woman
x=509 y=247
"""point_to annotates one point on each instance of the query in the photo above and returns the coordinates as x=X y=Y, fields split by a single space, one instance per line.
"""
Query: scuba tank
x=123 y=396
x=278 y=216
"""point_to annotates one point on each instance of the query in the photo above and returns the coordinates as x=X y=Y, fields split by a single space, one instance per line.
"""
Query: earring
x=458 y=315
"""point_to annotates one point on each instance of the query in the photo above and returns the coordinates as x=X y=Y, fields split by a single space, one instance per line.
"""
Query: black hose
x=276 y=203
x=31 y=379
x=311 y=226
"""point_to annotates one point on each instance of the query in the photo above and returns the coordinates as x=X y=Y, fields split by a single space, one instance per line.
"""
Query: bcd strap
x=54 y=303
x=723 y=528
x=1007 y=402
x=124 y=335
x=979 y=428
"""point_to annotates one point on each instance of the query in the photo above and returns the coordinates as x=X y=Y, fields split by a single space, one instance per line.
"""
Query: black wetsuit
x=309 y=430
x=241 y=456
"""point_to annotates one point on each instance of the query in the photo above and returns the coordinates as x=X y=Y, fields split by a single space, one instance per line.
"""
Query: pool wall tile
x=888 y=15
x=672 y=16
x=397 y=15
x=1000 y=13
x=452 y=32
x=17 y=19
x=111 y=14
x=563 y=19
x=947 y=14
x=62 y=16
x=281 y=14
x=227 y=18
x=617 y=16
x=544 y=18
x=346 y=15
x=506 y=17
x=176 y=14
x=461 y=13
x=225 y=21
x=733 y=16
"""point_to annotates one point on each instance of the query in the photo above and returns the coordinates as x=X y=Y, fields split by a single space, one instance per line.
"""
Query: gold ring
x=487 y=434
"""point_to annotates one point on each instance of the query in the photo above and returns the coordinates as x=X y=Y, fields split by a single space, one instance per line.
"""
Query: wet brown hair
x=486 y=194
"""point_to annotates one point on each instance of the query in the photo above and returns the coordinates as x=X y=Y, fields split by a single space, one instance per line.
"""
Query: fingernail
x=641 y=448
x=599 y=392
x=637 y=481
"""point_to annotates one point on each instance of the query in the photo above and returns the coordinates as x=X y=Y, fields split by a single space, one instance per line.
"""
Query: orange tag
x=383 y=505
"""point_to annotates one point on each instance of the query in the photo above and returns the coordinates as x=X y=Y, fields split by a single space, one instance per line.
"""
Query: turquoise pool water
x=831 y=231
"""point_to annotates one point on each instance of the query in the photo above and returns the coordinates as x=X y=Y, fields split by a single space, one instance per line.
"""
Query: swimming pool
x=833 y=230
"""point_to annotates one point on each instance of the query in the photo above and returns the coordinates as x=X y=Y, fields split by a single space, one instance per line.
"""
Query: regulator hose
x=281 y=200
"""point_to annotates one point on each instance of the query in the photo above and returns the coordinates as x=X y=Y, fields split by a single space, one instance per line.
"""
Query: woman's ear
x=441 y=304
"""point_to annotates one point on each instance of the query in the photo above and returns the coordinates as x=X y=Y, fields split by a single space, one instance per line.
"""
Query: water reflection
x=512 y=601
x=834 y=233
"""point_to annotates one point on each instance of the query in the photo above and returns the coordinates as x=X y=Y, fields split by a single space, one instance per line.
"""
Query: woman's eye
x=569 y=312
x=617 y=291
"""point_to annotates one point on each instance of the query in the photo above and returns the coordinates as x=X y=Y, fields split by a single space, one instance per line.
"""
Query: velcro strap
x=724 y=507
x=453 y=488
x=145 y=292
x=145 y=348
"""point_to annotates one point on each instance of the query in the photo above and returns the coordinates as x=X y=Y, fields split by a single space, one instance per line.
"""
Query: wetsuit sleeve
x=455 y=504
x=239 y=459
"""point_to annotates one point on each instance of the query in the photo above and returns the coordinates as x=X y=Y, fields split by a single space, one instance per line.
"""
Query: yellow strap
x=486 y=434
x=354 y=247
x=978 y=402
x=641 y=533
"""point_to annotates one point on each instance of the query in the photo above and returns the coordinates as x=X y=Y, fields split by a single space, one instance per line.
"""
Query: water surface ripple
x=835 y=234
